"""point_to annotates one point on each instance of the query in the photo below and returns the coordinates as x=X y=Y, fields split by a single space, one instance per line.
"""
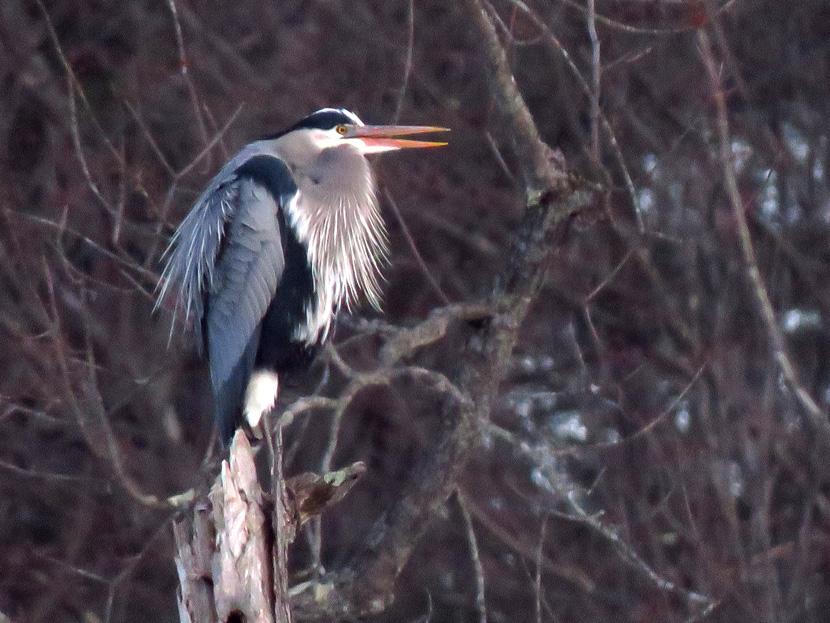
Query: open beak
x=379 y=138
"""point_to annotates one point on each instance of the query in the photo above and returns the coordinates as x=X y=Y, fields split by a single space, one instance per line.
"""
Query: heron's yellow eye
x=341 y=129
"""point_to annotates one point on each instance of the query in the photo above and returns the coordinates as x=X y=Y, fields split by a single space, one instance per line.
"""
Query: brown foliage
x=657 y=446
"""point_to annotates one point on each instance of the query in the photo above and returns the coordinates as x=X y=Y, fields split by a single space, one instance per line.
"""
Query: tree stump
x=231 y=548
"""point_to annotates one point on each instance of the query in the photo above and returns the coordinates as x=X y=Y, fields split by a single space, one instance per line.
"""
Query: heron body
x=288 y=233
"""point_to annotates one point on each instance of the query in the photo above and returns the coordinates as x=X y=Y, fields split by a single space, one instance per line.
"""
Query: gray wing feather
x=191 y=256
x=227 y=260
x=244 y=279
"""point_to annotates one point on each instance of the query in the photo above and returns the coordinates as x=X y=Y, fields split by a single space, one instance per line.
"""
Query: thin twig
x=407 y=68
x=63 y=229
x=596 y=73
x=608 y=278
x=413 y=247
x=210 y=144
x=79 y=150
x=554 y=42
x=50 y=476
x=815 y=414
x=528 y=551
x=565 y=491
x=150 y=140
x=620 y=26
x=491 y=142
x=498 y=431
x=538 y=576
x=53 y=35
x=181 y=173
x=184 y=68
x=481 y=605
x=660 y=417
x=112 y=583
x=94 y=397
x=627 y=58
x=121 y=204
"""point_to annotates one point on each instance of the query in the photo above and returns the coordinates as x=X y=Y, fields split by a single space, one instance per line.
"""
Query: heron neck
x=337 y=216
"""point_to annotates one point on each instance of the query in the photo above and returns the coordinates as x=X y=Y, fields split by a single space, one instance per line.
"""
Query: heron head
x=332 y=127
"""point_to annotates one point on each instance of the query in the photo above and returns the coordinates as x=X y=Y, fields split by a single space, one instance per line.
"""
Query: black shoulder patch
x=270 y=172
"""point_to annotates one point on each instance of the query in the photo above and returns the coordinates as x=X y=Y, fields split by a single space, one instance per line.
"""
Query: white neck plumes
x=346 y=239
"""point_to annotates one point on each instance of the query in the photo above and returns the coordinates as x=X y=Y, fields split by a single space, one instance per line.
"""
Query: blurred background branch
x=606 y=319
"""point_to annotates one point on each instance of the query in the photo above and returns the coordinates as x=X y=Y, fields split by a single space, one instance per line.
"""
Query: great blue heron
x=287 y=233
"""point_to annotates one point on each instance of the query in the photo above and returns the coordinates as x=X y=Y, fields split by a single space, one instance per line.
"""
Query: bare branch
x=553 y=40
x=407 y=68
x=366 y=584
x=50 y=476
x=596 y=74
x=184 y=68
x=558 y=483
x=231 y=553
x=538 y=576
x=414 y=248
x=530 y=552
x=533 y=155
x=481 y=605
x=815 y=414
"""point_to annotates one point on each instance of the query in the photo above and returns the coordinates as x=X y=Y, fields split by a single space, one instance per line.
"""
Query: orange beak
x=383 y=137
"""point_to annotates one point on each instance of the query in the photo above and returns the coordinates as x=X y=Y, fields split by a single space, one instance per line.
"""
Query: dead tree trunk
x=231 y=549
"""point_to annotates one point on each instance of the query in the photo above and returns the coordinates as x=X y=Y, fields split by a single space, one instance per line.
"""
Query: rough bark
x=232 y=548
x=242 y=570
x=194 y=546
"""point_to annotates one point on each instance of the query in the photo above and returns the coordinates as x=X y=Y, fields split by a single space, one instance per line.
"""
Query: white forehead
x=353 y=117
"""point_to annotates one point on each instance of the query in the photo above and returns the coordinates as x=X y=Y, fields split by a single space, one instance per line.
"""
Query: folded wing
x=227 y=258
